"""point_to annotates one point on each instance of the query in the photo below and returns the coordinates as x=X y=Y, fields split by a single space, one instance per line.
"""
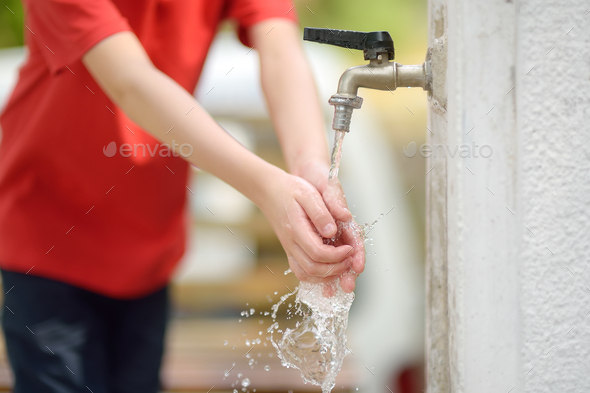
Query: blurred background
x=233 y=271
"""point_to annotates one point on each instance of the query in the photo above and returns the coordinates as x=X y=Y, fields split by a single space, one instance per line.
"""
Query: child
x=89 y=240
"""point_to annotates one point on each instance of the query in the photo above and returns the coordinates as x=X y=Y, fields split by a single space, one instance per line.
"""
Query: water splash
x=317 y=344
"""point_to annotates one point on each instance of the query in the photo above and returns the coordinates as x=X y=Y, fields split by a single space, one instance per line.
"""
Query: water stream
x=317 y=344
x=336 y=154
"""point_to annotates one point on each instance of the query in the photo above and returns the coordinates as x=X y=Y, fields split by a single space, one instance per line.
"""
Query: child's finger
x=348 y=283
x=303 y=234
x=350 y=237
x=319 y=269
x=303 y=276
x=333 y=196
x=315 y=208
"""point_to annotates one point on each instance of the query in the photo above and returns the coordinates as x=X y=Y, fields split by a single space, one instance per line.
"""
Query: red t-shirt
x=112 y=225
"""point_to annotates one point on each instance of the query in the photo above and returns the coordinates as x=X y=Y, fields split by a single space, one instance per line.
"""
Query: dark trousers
x=63 y=339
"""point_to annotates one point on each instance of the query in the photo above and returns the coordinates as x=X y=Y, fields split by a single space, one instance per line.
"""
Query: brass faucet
x=380 y=74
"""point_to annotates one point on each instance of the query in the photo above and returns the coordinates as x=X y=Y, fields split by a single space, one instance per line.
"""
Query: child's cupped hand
x=300 y=217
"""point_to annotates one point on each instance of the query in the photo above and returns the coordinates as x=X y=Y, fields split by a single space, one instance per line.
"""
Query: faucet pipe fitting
x=413 y=76
x=343 y=107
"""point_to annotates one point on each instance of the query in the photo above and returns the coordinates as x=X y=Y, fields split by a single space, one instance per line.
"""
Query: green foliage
x=406 y=20
x=11 y=24
x=396 y=16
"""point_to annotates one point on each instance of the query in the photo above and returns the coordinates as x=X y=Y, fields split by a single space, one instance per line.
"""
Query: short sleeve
x=247 y=13
x=65 y=30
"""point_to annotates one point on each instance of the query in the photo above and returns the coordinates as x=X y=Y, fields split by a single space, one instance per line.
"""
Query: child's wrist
x=265 y=182
x=312 y=163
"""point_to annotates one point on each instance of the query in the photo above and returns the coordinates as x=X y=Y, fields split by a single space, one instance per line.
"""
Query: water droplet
x=225 y=342
x=245 y=382
x=252 y=311
x=267 y=368
x=240 y=375
x=251 y=362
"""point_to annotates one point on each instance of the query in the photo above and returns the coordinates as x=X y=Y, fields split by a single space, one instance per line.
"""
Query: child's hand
x=295 y=209
x=332 y=194
x=350 y=233
x=317 y=174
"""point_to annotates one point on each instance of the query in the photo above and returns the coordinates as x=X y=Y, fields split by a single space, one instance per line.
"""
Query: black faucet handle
x=371 y=43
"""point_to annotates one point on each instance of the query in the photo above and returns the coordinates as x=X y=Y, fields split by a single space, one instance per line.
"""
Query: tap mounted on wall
x=381 y=73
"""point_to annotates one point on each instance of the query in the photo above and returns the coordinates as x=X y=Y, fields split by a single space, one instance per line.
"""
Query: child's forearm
x=296 y=112
x=160 y=106
x=291 y=94
x=163 y=108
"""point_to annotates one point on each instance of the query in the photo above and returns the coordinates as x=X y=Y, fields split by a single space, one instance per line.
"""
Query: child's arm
x=296 y=113
x=155 y=102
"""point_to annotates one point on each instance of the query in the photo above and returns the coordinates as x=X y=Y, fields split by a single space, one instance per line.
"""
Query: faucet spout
x=379 y=74
x=375 y=75
x=382 y=76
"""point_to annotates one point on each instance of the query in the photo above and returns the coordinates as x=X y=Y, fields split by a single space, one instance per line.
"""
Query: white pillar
x=508 y=269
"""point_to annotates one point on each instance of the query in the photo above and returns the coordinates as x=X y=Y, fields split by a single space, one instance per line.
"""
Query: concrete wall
x=508 y=270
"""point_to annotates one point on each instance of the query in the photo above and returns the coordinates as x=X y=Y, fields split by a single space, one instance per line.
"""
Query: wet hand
x=350 y=233
x=300 y=218
x=316 y=173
